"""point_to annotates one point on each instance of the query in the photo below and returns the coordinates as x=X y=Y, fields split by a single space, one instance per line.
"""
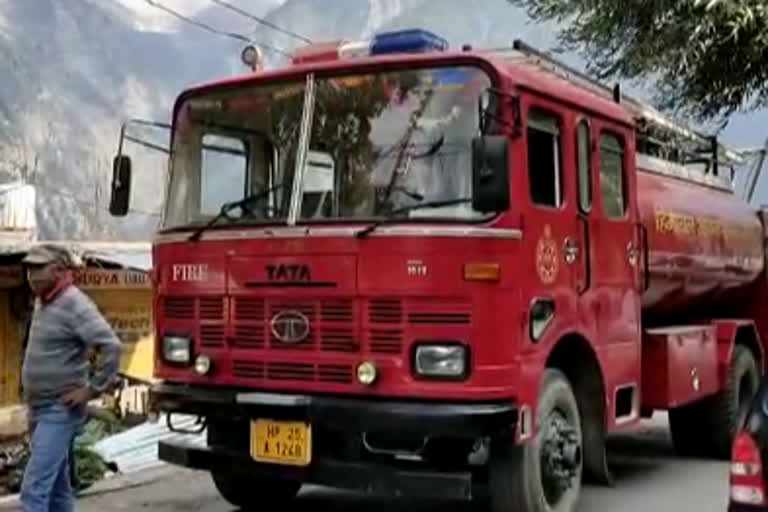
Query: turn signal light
x=482 y=272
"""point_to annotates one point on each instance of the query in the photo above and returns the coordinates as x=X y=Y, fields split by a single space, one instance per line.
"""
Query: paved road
x=649 y=478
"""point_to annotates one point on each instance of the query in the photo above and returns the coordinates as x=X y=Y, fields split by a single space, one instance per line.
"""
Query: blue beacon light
x=407 y=41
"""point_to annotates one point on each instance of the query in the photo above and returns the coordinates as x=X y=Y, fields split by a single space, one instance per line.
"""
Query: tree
x=707 y=58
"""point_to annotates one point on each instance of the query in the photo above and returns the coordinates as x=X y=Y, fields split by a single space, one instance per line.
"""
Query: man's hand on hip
x=76 y=396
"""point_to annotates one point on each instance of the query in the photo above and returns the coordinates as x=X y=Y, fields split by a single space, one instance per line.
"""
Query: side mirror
x=121 y=186
x=490 y=173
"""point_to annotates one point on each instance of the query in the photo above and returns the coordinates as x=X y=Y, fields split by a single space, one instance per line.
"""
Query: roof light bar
x=401 y=41
x=407 y=41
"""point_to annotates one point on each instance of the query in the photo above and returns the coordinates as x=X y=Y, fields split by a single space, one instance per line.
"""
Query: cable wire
x=213 y=30
x=260 y=20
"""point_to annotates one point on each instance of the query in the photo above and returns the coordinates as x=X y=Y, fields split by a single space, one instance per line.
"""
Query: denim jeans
x=46 y=486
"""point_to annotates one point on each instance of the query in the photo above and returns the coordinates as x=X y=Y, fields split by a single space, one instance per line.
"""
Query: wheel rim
x=746 y=390
x=560 y=456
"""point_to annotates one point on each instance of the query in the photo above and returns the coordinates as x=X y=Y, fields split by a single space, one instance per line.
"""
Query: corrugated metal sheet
x=17 y=212
x=136 y=449
x=137 y=258
x=133 y=255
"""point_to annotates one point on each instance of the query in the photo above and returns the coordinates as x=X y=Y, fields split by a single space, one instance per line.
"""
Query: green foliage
x=90 y=466
x=707 y=57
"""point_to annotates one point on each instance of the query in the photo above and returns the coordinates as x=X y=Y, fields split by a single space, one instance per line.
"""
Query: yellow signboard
x=130 y=323
x=129 y=313
x=100 y=279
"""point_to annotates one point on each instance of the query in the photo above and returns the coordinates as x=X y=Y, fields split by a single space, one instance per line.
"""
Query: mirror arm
x=145 y=144
x=513 y=101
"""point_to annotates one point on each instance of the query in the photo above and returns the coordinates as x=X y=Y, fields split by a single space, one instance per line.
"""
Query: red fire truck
x=398 y=268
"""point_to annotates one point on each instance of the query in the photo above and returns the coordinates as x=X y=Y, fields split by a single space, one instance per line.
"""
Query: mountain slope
x=74 y=70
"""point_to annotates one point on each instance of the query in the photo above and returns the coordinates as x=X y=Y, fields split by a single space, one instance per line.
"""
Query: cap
x=44 y=254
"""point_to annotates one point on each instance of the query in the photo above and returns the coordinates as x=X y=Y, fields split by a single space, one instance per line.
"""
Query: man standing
x=55 y=376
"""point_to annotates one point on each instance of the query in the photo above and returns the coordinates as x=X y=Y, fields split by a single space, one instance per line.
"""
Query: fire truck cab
x=393 y=267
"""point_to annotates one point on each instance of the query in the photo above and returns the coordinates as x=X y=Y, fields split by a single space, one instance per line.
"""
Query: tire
x=706 y=428
x=517 y=480
x=252 y=493
x=725 y=409
x=685 y=427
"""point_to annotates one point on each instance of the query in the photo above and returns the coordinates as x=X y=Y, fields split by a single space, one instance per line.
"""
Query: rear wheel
x=706 y=428
x=545 y=474
x=728 y=407
x=685 y=429
x=249 y=492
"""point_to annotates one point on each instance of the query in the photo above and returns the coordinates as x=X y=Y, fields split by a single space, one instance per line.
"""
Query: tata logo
x=190 y=272
x=289 y=273
x=290 y=326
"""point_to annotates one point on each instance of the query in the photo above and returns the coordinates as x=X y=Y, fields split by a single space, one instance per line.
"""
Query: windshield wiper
x=391 y=217
x=228 y=207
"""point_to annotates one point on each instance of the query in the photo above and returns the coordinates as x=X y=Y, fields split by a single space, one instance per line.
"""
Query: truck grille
x=339 y=325
x=286 y=371
x=390 y=318
x=332 y=321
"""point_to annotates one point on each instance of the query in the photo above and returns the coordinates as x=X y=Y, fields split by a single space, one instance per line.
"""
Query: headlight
x=177 y=349
x=202 y=365
x=367 y=373
x=446 y=361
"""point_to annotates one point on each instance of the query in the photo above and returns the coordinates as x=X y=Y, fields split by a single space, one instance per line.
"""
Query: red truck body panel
x=363 y=303
x=680 y=366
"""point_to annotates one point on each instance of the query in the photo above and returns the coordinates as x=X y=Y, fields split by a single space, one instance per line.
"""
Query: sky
x=744 y=130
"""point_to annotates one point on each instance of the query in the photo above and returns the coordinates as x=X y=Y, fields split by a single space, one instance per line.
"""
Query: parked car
x=749 y=456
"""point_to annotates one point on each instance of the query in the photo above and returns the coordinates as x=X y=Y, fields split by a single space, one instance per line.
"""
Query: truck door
x=609 y=219
x=552 y=222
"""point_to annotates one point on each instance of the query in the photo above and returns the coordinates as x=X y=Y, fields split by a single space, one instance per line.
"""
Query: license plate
x=281 y=442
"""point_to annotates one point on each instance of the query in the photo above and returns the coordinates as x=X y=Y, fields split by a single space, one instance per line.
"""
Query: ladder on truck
x=666 y=144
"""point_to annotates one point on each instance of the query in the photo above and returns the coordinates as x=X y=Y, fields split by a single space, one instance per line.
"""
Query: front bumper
x=347 y=418
x=366 y=477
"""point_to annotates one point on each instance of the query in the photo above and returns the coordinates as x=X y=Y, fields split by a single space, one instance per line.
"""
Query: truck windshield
x=378 y=144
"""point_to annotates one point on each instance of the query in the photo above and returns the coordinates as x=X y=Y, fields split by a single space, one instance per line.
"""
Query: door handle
x=570 y=250
x=632 y=253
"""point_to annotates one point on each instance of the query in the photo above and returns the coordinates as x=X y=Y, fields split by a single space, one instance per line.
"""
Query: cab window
x=584 y=165
x=224 y=169
x=544 y=169
x=612 y=175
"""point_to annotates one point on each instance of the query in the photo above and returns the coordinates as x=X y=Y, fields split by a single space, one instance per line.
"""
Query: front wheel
x=252 y=493
x=545 y=474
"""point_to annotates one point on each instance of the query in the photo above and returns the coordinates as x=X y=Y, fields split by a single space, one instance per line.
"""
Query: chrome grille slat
x=249 y=309
x=339 y=325
x=385 y=311
x=210 y=308
x=386 y=341
x=288 y=371
x=182 y=308
x=212 y=336
x=248 y=336
x=248 y=369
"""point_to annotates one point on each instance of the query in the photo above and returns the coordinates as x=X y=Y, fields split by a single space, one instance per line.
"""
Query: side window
x=612 y=175
x=224 y=167
x=544 y=172
x=584 y=165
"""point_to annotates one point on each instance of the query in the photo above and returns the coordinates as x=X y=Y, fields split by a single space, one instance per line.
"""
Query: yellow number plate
x=281 y=442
